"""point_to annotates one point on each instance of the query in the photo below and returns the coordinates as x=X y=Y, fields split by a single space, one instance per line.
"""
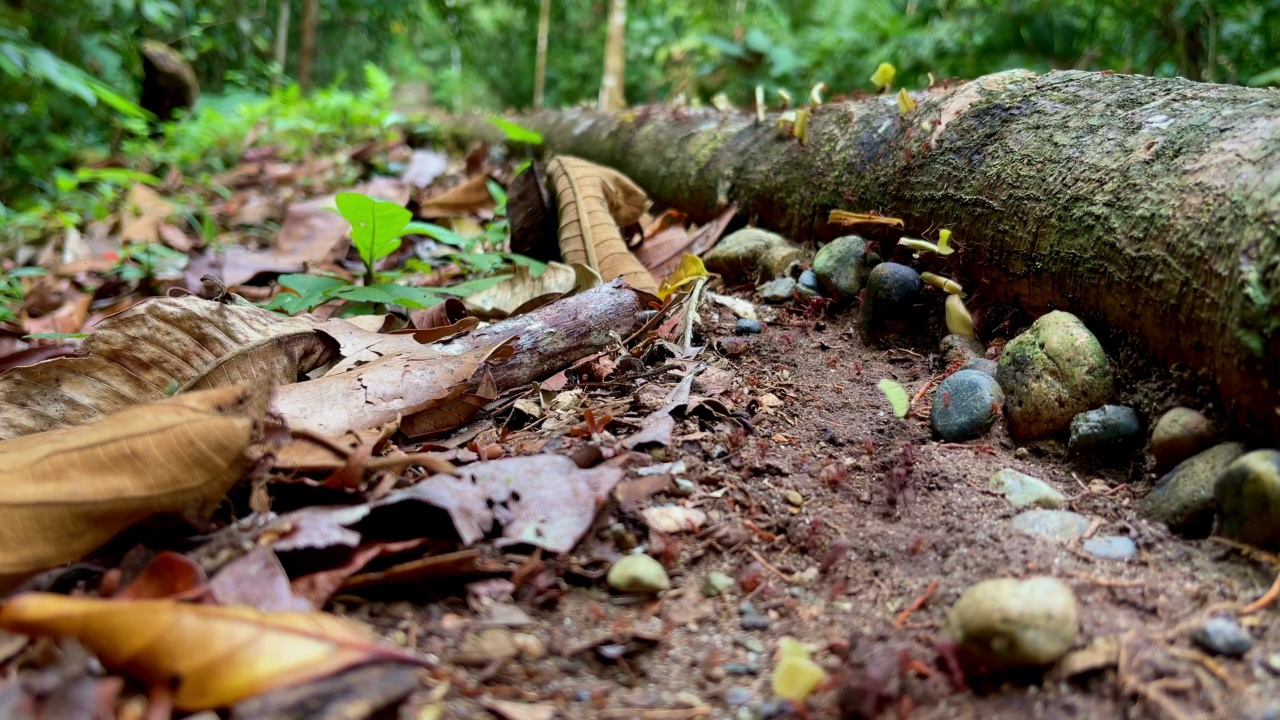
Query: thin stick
x=693 y=712
x=916 y=604
x=1105 y=582
x=1269 y=597
x=768 y=566
x=691 y=312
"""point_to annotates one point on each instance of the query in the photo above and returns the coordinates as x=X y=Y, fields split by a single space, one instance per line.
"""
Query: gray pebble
x=741 y=669
x=1009 y=623
x=1184 y=498
x=961 y=348
x=1178 y=434
x=965 y=405
x=982 y=365
x=809 y=280
x=737 y=696
x=841 y=266
x=638 y=574
x=1057 y=525
x=1223 y=636
x=1111 y=547
x=1107 y=435
x=755 y=622
x=1022 y=490
x=716 y=584
x=748 y=326
x=778 y=291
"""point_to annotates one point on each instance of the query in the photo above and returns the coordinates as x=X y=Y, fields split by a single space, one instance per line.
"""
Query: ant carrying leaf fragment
x=897 y=397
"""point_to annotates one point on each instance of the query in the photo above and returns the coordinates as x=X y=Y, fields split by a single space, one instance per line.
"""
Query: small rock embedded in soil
x=888 y=309
x=1009 y=623
x=1107 y=435
x=1248 y=495
x=842 y=266
x=1023 y=490
x=1179 y=434
x=1184 y=498
x=982 y=365
x=717 y=584
x=1057 y=525
x=737 y=696
x=965 y=405
x=958 y=348
x=778 y=291
x=638 y=574
x=751 y=255
x=1051 y=373
x=1111 y=547
x=747 y=326
x=1222 y=636
x=809 y=281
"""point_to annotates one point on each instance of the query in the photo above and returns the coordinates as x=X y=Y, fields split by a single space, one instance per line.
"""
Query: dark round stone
x=1108 y=434
x=747 y=326
x=889 y=309
x=965 y=405
x=1223 y=636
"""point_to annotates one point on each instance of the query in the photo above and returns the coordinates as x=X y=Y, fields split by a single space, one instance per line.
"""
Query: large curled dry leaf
x=64 y=493
x=377 y=393
x=154 y=349
x=509 y=295
x=593 y=202
x=215 y=655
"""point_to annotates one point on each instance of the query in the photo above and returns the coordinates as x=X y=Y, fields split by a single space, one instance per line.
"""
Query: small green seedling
x=897 y=397
x=376 y=227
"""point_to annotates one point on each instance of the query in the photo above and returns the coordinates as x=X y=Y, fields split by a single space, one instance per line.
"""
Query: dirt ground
x=870 y=534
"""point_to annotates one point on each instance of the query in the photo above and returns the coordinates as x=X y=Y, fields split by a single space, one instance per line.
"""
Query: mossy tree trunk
x=1149 y=207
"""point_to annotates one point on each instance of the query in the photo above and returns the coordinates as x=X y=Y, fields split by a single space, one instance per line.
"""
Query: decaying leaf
x=65 y=493
x=156 y=348
x=452 y=414
x=469 y=198
x=518 y=290
x=214 y=656
x=593 y=202
x=144 y=211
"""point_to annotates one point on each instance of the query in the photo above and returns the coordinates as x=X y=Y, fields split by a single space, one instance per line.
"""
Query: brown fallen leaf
x=506 y=297
x=593 y=202
x=214 y=656
x=469 y=198
x=65 y=493
x=661 y=252
x=255 y=580
x=144 y=210
x=452 y=414
x=508 y=710
x=159 y=347
x=446 y=313
x=168 y=575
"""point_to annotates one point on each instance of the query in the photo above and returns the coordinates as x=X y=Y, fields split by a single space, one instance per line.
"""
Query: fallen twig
x=916 y=604
x=680 y=714
x=1106 y=582
x=1269 y=597
x=768 y=566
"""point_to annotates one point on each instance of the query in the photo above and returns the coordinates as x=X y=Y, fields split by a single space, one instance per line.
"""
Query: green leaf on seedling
x=517 y=133
x=897 y=397
x=376 y=225
x=441 y=234
x=307 y=291
x=55 y=336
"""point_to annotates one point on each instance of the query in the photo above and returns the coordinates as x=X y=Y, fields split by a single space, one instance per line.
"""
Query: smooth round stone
x=1022 y=490
x=638 y=574
x=717 y=584
x=1222 y=636
x=1057 y=525
x=965 y=405
x=1051 y=373
x=961 y=348
x=808 y=279
x=1111 y=547
x=981 y=365
x=747 y=326
x=1109 y=434
x=751 y=255
x=1184 y=498
x=841 y=267
x=1179 y=434
x=1010 y=623
x=888 y=309
x=778 y=291
x=737 y=696
x=1248 y=496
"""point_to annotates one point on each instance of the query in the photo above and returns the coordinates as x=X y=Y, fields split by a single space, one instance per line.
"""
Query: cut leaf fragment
x=897 y=396
x=844 y=217
x=214 y=656
x=796 y=676
x=883 y=76
x=959 y=321
x=689 y=270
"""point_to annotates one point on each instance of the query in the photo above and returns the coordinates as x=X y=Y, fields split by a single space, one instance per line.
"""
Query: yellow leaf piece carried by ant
x=760 y=108
x=844 y=217
x=785 y=121
x=959 y=321
x=689 y=269
x=918 y=245
x=905 y=102
x=815 y=93
x=883 y=76
x=944 y=242
x=896 y=395
x=801 y=128
x=945 y=284
x=796 y=676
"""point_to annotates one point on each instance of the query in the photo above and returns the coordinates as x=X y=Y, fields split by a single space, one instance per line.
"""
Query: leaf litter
x=327 y=470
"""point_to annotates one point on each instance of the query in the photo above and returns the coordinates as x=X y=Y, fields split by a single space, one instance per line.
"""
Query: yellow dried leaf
x=844 y=217
x=64 y=493
x=905 y=102
x=689 y=269
x=215 y=656
x=883 y=76
x=594 y=201
x=801 y=127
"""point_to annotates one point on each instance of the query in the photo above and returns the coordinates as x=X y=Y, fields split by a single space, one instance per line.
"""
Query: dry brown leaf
x=144 y=210
x=446 y=313
x=593 y=202
x=214 y=656
x=64 y=493
x=380 y=391
x=156 y=348
x=469 y=198
x=452 y=414
x=504 y=298
x=661 y=251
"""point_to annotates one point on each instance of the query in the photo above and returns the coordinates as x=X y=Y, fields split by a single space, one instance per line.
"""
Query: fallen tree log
x=1150 y=207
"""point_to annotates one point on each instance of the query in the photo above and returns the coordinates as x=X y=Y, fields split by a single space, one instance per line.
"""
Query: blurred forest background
x=70 y=70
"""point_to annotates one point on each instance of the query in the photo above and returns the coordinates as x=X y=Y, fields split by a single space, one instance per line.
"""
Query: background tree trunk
x=615 y=58
x=540 y=66
x=282 y=43
x=307 y=41
x=1149 y=207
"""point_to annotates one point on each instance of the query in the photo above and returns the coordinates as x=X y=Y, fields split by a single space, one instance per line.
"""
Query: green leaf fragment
x=897 y=397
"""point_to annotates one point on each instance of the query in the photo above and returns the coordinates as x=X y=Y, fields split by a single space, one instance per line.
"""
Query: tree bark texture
x=1149 y=207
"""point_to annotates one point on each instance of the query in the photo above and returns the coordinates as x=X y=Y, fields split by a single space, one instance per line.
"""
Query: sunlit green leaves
x=376 y=225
